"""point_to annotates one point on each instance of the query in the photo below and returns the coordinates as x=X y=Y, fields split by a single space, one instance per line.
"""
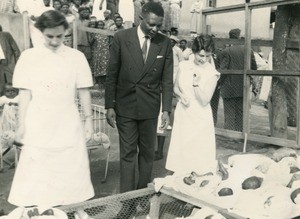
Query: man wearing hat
x=232 y=58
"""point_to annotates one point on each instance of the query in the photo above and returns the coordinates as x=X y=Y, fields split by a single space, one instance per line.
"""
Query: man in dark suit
x=139 y=80
x=11 y=54
x=232 y=58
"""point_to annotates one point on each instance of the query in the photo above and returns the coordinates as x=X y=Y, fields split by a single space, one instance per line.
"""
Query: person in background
x=74 y=8
x=161 y=134
x=107 y=20
x=126 y=10
x=9 y=55
x=167 y=19
x=82 y=36
x=100 y=55
x=33 y=9
x=177 y=55
x=175 y=12
x=54 y=152
x=193 y=136
x=118 y=24
x=8 y=6
x=47 y=3
x=196 y=11
x=57 y=5
x=174 y=31
x=115 y=15
x=10 y=95
x=137 y=11
x=232 y=86
x=137 y=83
x=112 y=5
x=65 y=9
x=186 y=52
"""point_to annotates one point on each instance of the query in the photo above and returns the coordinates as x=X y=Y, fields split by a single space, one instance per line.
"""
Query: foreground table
x=145 y=203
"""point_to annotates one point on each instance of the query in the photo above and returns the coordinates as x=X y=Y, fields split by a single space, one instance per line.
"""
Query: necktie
x=144 y=48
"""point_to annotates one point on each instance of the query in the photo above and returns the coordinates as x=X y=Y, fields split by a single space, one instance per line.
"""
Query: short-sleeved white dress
x=53 y=168
x=192 y=146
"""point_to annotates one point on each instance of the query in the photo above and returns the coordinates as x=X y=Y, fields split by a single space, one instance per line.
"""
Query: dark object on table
x=252 y=182
x=225 y=192
x=18 y=144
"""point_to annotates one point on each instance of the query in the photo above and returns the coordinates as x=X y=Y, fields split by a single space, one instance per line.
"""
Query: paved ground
x=225 y=148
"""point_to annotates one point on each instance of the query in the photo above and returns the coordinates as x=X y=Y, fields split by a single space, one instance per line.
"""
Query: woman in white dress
x=126 y=10
x=99 y=7
x=192 y=146
x=53 y=167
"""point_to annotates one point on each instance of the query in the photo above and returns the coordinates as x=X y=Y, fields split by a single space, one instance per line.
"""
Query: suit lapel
x=134 y=48
x=154 y=50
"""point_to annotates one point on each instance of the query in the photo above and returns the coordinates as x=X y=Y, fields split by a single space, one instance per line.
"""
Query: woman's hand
x=88 y=128
x=19 y=135
x=185 y=101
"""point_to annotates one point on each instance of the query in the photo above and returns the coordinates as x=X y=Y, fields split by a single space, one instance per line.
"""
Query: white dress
x=96 y=11
x=53 y=168
x=192 y=146
x=126 y=10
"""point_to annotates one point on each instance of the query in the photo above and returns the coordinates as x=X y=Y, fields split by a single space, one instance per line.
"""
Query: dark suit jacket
x=12 y=54
x=134 y=89
x=232 y=58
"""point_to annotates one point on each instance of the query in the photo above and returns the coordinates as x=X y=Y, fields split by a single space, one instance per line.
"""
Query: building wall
x=222 y=23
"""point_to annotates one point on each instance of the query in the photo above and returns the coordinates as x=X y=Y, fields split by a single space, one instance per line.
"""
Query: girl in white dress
x=192 y=146
x=53 y=167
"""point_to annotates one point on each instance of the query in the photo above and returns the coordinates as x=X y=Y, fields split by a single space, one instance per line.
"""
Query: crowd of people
x=152 y=80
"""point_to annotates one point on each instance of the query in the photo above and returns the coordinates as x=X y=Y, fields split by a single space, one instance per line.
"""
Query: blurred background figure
x=9 y=54
x=196 y=27
x=126 y=10
x=232 y=58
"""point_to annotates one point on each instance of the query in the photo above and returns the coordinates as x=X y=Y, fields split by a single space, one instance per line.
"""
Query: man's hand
x=111 y=117
x=165 y=120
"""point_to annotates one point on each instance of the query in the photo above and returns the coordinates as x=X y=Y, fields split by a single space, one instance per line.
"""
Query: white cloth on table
x=53 y=167
x=192 y=146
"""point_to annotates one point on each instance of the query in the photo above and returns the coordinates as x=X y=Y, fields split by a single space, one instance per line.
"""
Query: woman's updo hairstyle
x=203 y=42
x=51 y=19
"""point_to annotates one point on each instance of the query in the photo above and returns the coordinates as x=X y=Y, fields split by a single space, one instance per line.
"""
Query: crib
x=8 y=126
x=8 y=121
x=102 y=130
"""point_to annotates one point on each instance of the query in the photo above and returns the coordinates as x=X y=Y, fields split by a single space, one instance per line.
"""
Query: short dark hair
x=118 y=17
x=82 y=8
x=51 y=19
x=0 y=28
x=62 y=4
x=205 y=42
x=153 y=7
x=183 y=40
x=235 y=33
